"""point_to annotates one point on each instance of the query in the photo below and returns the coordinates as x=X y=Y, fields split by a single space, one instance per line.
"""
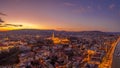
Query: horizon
x=56 y=30
x=61 y=15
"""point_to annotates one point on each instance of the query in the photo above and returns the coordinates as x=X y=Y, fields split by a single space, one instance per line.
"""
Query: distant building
x=5 y=47
x=57 y=40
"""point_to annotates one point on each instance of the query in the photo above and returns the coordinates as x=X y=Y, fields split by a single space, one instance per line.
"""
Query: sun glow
x=25 y=25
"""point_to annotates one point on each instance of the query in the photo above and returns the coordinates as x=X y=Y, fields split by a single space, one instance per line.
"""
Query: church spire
x=53 y=36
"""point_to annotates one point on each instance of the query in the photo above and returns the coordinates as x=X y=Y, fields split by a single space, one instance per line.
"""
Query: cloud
x=81 y=10
x=14 y=25
x=1 y=21
x=2 y=14
x=111 y=6
x=69 y=4
x=10 y=25
x=99 y=7
x=119 y=13
x=3 y=26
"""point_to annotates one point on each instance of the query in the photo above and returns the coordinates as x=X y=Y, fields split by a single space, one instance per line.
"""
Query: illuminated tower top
x=53 y=36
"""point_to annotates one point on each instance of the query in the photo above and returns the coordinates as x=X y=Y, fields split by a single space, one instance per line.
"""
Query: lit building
x=5 y=47
x=57 y=40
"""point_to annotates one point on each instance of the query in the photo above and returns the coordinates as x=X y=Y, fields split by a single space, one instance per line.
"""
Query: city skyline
x=68 y=15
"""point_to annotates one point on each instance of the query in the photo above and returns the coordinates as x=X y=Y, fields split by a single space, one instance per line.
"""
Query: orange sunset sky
x=69 y=15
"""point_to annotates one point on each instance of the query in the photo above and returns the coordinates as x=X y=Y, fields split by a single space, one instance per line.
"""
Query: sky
x=69 y=15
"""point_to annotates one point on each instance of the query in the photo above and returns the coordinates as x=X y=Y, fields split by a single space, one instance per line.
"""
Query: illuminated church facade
x=57 y=40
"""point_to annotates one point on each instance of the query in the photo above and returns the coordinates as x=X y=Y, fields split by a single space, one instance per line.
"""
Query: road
x=107 y=62
x=116 y=59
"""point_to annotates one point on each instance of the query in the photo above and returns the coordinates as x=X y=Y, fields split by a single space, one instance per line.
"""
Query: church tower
x=53 y=36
